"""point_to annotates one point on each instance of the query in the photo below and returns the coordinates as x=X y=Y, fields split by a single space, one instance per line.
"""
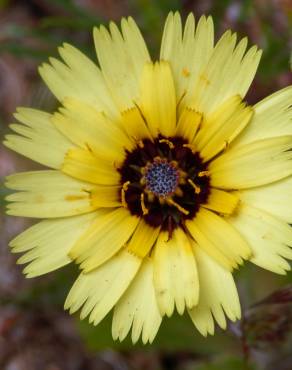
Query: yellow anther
x=174 y=164
x=168 y=142
x=177 y=206
x=178 y=192
x=204 y=173
x=196 y=187
x=190 y=146
x=123 y=193
x=150 y=195
x=144 y=209
x=140 y=144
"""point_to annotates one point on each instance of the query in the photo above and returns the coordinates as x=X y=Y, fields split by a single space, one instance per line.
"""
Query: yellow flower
x=162 y=180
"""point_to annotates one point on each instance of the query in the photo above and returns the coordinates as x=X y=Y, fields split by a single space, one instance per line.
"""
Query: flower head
x=162 y=181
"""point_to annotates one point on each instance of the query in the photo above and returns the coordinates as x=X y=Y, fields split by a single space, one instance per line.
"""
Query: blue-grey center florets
x=161 y=178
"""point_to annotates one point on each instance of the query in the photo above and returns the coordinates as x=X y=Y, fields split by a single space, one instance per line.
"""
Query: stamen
x=196 y=187
x=177 y=206
x=169 y=143
x=135 y=168
x=144 y=208
x=203 y=173
x=150 y=195
x=190 y=146
x=123 y=193
x=178 y=192
x=182 y=177
x=141 y=144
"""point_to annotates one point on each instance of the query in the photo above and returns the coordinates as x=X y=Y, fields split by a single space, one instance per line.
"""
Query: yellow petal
x=275 y=199
x=171 y=42
x=272 y=117
x=226 y=74
x=254 y=164
x=189 y=52
x=218 y=295
x=48 y=194
x=138 y=308
x=37 y=138
x=87 y=128
x=269 y=238
x=47 y=243
x=80 y=79
x=244 y=74
x=208 y=227
x=94 y=90
x=175 y=273
x=158 y=102
x=106 y=196
x=135 y=125
x=143 y=239
x=222 y=127
x=222 y=202
x=106 y=236
x=211 y=249
x=188 y=124
x=121 y=57
x=82 y=164
x=99 y=290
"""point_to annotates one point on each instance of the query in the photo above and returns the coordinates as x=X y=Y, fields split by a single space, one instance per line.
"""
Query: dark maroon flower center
x=164 y=181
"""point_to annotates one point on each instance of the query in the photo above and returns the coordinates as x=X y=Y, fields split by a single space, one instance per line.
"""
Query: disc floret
x=161 y=177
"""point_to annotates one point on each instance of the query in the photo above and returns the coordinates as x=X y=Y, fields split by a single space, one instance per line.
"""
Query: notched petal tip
x=42 y=69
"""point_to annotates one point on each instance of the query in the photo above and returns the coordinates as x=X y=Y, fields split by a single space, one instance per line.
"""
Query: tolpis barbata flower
x=162 y=180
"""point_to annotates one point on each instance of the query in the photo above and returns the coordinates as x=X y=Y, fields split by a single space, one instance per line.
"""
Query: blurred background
x=35 y=333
